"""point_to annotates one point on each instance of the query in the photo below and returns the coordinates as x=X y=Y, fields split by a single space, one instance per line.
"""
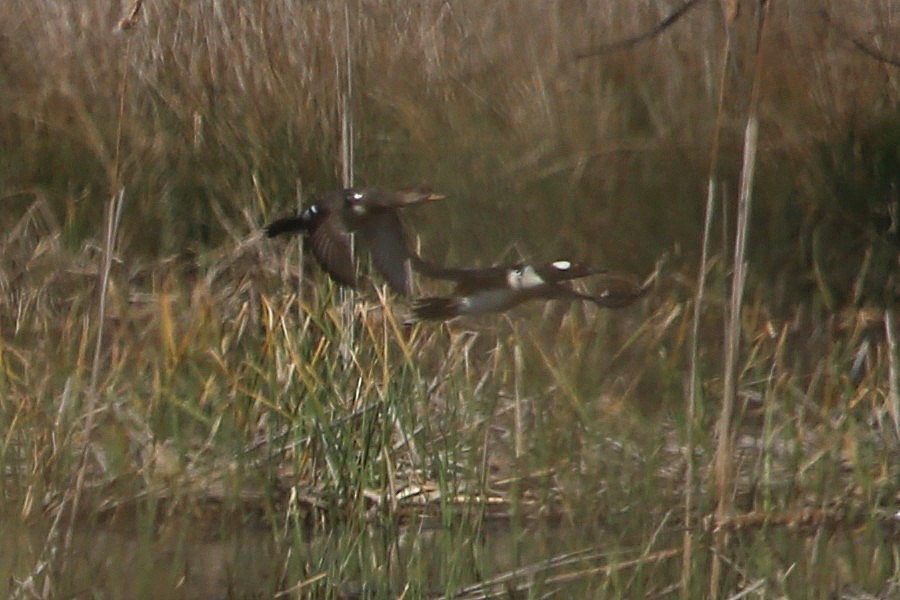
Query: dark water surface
x=186 y=558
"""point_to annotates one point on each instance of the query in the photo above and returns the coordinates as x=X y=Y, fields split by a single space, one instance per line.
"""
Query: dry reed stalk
x=724 y=446
x=345 y=95
x=769 y=401
x=692 y=386
x=299 y=207
x=518 y=369
x=114 y=215
x=344 y=78
x=893 y=370
x=132 y=18
x=505 y=585
x=730 y=8
x=687 y=558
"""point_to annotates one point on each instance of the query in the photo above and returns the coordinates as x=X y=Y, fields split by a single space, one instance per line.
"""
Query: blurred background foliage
x=206 y=110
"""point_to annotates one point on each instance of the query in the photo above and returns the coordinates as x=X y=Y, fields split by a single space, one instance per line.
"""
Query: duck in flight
x=372 y=213
x=496 y=289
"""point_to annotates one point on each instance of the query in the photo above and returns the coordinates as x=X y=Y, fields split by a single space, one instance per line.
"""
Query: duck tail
x=432 y=270
x=435 y=308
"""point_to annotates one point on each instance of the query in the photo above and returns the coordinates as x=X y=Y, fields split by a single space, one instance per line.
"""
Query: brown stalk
x=695 y=327
x=114 y=215
x=345 y=104
x=694 y=373
x=730 y=9
x=300 y=273
x=518 y=369
x=724 y=446
x=505 y=585
x=893 y=370
x=134 y=14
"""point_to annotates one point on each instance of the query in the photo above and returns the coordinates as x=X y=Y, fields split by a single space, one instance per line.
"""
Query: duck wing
x=332 y=249
x=468 y=279
x=295 y=224
x=374 y=197
x=383 y=234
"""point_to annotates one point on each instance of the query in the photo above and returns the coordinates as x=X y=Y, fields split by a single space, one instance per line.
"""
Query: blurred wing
x=332 y=249
x=615 y=292
x=381 y=198
x=468 y=279
x=383 y=233
x=286 y=225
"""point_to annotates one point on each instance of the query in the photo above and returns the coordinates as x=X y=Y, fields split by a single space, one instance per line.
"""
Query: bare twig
x=858 y=42
x=632 y=41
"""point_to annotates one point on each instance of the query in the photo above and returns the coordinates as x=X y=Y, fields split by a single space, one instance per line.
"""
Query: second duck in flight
x=496 y=289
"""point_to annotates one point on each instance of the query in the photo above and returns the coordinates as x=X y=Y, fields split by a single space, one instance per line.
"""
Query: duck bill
x=433 y=197
x=417 y=195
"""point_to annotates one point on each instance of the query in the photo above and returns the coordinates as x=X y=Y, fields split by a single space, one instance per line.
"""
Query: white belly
x=489 y=301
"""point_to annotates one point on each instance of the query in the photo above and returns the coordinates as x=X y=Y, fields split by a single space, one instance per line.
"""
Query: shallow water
x=185 y=557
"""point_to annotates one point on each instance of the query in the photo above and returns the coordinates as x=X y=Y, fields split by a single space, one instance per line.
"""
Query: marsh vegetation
x=191 y=410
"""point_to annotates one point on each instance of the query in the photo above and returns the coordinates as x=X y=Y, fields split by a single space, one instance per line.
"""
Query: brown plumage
x=372 y=213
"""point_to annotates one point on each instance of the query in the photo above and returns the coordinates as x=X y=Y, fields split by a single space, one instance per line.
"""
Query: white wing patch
x=562 y=265
x=527 y=278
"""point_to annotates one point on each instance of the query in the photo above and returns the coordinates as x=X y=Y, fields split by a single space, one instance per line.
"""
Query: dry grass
x=602 y=136
x=224 y=391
